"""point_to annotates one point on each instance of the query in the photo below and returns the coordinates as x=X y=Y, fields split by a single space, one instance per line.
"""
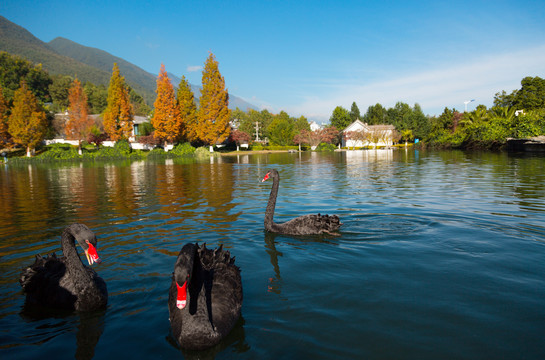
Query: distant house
x=359 y=134
x=137 y=122
x=61 y=118
x=314 y=126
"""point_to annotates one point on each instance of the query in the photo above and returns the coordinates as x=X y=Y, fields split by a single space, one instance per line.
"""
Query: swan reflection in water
x=89 y=325
x=275 y=282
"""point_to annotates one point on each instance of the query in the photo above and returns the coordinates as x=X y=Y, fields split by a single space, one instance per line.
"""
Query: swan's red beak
x=266 y=177
x=181 y=299
x=92 y=254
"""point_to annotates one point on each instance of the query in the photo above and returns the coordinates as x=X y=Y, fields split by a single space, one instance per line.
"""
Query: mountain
x=63 y=56
x=18 y=41
x=140 y=80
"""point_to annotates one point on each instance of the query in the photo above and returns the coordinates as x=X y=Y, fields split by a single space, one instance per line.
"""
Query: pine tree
x=213 y=115
x=355 y=112
x=4 y=134
x=166 y=119
x=188 y=109
x=26 y=124
x=79 y=124
x=119 y=114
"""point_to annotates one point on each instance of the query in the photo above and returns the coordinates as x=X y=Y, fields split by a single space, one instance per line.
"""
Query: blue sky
x=307 y=57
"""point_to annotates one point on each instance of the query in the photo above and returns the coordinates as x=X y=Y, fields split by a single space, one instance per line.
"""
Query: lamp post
x=467 y=102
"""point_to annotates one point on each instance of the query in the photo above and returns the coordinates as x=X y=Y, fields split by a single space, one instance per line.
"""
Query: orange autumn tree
x=213 y=116
x=79 y=124
x=119 y=114
x=26 y=124
x=188 y=109
x=166 y=119
x=4 y=134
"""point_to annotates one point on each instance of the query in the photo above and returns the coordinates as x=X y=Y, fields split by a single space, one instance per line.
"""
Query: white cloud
x=479 y=79
x=194 y=68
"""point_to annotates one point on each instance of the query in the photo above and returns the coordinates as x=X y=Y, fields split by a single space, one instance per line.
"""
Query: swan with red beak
x=205 y=296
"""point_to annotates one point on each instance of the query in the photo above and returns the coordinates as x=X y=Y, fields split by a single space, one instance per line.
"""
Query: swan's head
x=271 y=174
x=87 y=240
x=182 y=273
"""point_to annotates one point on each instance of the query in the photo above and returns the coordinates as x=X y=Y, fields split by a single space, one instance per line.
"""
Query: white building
x=314 y=126
x=359 y=134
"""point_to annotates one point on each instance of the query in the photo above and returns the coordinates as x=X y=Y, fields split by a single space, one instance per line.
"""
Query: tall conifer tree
x=4 y=134
x=188 y=109
x=166 y=119
x=26 y=124
x=119 y=114
x=79 y=124
x=213 y=114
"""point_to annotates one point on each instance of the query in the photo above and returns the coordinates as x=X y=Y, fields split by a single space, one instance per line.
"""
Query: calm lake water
x=441 y=255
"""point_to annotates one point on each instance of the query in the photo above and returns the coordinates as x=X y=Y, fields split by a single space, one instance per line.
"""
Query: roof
x=358 y=125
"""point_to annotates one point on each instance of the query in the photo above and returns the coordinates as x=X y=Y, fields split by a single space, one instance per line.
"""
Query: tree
x=97 y=97
x=118 y=116
x=282 y=130
x=355 y=112
x=138 y=103
x=239 y=137
x=406 y=135
x=375 y=115
x=340 y=118
x=530 y=96
x=4 y=134
x=188 y=109
x=316 y=137
x=58 y=90
x=213 y=115
x=357 y=136
x=79 y=124
x=166 y=119
x=26 y=124
x=14 y=69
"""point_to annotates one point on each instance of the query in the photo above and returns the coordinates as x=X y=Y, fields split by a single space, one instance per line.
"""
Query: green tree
x=138 y=103
x=281 y=130
x=530 y=96
x=419 y=122
x=375 y=115
x=340 y=118
x=213 y=115
x=27 y=122
x=188 y=109
x=301 y=123
x=118 y=116
x=58 y=90
x=355 y=112
x=97 y=97
x=14 y=69
x=399 y=116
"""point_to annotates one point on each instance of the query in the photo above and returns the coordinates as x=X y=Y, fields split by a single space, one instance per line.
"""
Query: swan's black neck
x=269 y=213
x=74 y=266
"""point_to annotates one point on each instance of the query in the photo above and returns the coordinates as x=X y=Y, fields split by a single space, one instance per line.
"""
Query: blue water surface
x=441 y=254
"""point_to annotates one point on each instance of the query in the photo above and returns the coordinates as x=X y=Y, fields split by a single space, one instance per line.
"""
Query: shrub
x=183 y=149
x=325 y=147
x=123 y=147
x=202 y=152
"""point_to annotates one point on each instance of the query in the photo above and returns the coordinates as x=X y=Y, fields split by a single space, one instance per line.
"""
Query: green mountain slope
x=63 y=56
x=18 y=41
x=140 y=80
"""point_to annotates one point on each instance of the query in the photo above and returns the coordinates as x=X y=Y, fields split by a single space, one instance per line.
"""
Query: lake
x=441 y=255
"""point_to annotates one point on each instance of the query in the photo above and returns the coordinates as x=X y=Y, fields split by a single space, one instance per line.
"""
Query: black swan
x=65 y=283
x=205 y=296
x=302 y=225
